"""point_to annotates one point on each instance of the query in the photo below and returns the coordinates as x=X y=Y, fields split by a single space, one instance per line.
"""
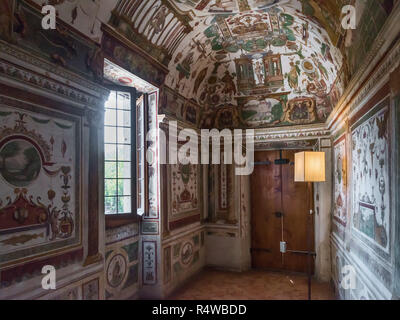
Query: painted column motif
x=94 y=120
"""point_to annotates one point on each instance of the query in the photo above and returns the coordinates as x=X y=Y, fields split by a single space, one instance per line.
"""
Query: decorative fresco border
x=33 y=268
x=286 y=144
x=373 y=104
x=183 y=216
x=122 y=233
x=7 y=50
x=149 y=262
x=173 y=225
x=355 y=95
x=379 y=271
x=32 y=79
x=290 y=133
x=70 y=50
x=153 y=167
x=150 y=227
x=338 y=140
x=122 y=52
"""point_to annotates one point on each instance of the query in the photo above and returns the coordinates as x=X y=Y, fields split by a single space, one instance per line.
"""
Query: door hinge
x=260 y=249
x=279 y=214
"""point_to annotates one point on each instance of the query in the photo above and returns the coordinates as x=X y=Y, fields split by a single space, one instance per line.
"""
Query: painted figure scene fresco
x=258 y=68
x=231 y=63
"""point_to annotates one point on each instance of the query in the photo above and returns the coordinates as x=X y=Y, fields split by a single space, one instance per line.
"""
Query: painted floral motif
x=37 y=149
x=371 y=187
x=149 y=262
x=184 y=188
x=340 y=179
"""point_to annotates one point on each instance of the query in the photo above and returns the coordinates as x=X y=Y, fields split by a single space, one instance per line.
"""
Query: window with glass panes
x=118 y=153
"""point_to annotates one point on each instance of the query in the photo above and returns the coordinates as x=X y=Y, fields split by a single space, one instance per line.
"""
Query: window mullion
x=133 y=152
x=117 y=169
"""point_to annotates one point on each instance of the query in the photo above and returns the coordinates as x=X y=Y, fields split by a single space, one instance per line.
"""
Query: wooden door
x=280 y=212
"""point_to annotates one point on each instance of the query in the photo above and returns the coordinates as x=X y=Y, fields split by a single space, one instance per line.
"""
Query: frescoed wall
x=355 y=44
x=178 y=107
x=87 y=289
x=85 y=16
x=183 y=234
x=371 y=165
x=283 y=68
x=44 y=175
x=122 y=267
x=64 y=48
x=150 y=224
x=227 y=237
x=50 y=108
x=363 y=215
x=184 y=190
x=221 y=192
x=395 y=85
x=183 y=257
x=38 y=149
x=358 y=43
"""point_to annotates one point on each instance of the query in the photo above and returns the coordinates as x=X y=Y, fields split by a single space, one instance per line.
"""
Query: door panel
x=273 y=190
x=296 y=203
x=266 y=201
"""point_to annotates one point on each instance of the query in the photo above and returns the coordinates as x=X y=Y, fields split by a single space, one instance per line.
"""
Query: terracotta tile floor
x=252 y=285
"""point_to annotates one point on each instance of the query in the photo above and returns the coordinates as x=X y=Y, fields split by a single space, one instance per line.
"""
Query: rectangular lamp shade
x=309 y=167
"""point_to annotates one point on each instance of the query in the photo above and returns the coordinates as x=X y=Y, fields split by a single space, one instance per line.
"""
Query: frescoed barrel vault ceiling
x=239 y=63
x=257 y=64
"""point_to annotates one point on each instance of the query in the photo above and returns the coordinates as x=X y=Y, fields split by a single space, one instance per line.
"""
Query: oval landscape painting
x=20 y=163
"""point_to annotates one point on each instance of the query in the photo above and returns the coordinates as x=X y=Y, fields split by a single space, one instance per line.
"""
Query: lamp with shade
x=309 y=167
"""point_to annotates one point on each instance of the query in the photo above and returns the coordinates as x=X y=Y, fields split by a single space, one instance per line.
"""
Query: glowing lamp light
x=309 y=167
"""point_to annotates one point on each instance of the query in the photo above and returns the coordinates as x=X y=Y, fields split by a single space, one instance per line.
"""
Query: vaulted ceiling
x=244 y=63
x=267 y=60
